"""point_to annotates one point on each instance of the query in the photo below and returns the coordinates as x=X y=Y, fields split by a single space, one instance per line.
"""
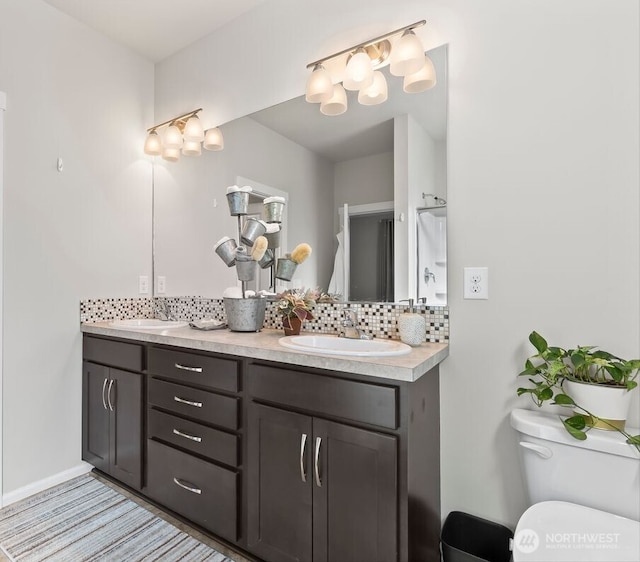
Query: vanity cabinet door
x=95 y=415
x=279 y=485
x=126 y=427
x=354 y=494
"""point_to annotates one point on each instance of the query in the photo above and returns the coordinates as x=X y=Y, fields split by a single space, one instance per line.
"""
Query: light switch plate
x=476 y=283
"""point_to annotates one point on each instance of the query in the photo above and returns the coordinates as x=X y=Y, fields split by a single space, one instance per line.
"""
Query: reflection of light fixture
x=401 y=48
x=183 y=132
x=337 y=104
x=422 y=80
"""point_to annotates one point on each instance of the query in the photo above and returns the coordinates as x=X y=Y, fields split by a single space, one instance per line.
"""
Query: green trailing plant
x=551 y=366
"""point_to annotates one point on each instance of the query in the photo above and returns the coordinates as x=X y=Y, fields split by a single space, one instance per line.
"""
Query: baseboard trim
x=40 y=485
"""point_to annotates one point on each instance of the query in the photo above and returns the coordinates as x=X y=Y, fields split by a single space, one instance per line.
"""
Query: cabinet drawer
x=194 y=403
x=206 y=441
x=203 y=370
x=113 y=353
x=350 y=400
x=200 y=491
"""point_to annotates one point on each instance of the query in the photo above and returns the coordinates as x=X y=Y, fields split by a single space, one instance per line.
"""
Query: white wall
x=543 y=183
x=364 y=180
x=71 y=235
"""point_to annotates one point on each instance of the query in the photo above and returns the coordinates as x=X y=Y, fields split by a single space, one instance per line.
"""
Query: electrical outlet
x=162 y=284
x=143 y=285
x=476 y=283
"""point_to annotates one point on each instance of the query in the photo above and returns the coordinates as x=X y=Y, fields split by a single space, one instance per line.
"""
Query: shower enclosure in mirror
x=393 y=152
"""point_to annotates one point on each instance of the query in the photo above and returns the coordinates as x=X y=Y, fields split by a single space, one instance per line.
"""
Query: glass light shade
x=193 y=130
x=337 y=104
x=171 y=154
x=359 y=72
x=191 y=148
x=407 y=55
x=376 y=93
x=172 y=137
x=422 y=80
x=319 y=85
x=213 y=139
x=153 y=144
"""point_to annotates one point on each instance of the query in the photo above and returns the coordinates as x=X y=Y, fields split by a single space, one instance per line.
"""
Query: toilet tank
x=602 y=471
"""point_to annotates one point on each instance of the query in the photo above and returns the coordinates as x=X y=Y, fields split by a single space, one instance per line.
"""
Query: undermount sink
x=148 y=324
x=334 y=345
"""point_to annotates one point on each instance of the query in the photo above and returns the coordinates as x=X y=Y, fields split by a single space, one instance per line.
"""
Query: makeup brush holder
x=226 y=249
x=251 y=230
x=285 y=269
x=245 y=315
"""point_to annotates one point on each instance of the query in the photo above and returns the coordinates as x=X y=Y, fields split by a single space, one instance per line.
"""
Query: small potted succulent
x=596 y=384
x=295 y=305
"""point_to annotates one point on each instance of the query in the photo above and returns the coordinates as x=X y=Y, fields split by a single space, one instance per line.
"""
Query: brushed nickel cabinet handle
x=188 y=487
x=303 y=444
x=104 y=386
x=187 y=402
x=109 y=394
x=186 y=368
x=316 y=461
x=187 y=436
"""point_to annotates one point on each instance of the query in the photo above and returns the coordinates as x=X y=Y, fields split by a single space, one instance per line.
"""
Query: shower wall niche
x=432 y=255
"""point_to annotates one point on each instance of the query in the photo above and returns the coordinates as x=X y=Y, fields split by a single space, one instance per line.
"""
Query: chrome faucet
x=350 y=329
x=161 y=310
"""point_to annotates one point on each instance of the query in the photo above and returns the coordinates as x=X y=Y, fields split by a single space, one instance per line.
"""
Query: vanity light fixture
x=183 y=133
x=400 y=48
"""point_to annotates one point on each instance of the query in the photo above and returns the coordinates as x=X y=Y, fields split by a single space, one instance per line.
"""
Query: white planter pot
x=605 y=402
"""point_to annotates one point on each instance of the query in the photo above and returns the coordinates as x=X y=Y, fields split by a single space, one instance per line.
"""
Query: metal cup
x=267 y=259
x=238 y=202
x=251 y=230
x=273 y=238
x=226 y=249
x=273 y=208
x=285 y=269
x=245 y=266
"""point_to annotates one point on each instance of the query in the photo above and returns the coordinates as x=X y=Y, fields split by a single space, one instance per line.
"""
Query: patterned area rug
x=83 y=519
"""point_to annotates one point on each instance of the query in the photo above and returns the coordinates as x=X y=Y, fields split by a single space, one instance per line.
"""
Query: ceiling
x=155 y=28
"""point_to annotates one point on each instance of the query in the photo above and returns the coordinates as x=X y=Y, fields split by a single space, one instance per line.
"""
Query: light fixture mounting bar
x=369 y=42
x=179 y=118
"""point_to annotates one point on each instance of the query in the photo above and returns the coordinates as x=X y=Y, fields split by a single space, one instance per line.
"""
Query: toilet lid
x=557 y=531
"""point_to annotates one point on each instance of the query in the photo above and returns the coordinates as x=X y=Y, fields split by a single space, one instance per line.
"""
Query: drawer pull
x=303 y=444
x=189 y=488
x=186 y=368
x=104 y=387
x=187 y=402
x=316 y=461
x=187 y=436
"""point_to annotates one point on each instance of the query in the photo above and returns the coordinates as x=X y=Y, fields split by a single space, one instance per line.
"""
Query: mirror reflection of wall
x=321 y=161
x=432 y=255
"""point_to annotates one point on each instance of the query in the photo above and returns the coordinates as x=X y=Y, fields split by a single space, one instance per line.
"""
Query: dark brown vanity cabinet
x=324 y=461
x=193 y=440
x=112 y=408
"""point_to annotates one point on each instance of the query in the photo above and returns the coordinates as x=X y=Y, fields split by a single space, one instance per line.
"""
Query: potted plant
x=295 y=307
x=569 y=377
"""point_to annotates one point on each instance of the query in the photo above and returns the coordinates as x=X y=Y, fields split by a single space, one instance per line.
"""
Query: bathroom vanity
x=282 y=454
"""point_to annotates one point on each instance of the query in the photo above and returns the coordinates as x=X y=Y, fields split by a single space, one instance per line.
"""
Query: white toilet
x=585 y=494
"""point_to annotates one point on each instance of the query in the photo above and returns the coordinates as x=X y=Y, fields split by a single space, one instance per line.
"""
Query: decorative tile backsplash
x=376 y=319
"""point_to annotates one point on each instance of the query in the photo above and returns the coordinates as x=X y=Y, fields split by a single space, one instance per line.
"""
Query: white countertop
x=264 y=345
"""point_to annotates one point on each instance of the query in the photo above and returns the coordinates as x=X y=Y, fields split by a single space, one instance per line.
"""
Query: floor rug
x=84 y=520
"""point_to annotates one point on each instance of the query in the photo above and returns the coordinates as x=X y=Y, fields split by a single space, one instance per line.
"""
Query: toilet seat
x=558 y=531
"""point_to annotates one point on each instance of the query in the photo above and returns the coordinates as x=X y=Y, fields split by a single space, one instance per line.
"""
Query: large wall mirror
x=375 y=174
